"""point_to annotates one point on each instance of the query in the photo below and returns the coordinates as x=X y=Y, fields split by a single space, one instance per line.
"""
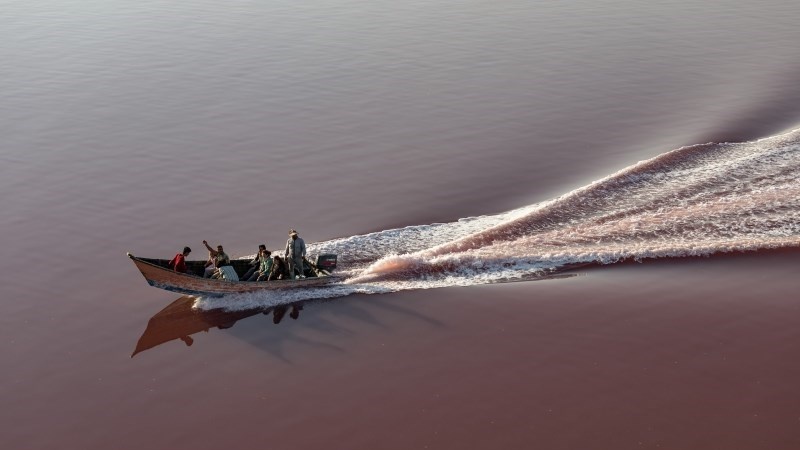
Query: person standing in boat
x=178 y=263
x=295 y=252
x=217 y=259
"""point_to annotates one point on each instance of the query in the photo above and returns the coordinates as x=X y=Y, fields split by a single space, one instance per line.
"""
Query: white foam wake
x=692 y=201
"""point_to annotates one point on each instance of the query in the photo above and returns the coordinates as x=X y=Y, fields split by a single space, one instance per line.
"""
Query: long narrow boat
x=158 y=274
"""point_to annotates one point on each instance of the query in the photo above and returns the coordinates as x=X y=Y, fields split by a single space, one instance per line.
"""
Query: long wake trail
x=693 y=201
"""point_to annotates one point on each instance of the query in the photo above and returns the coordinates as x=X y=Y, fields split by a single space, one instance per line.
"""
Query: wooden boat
x=158 y=274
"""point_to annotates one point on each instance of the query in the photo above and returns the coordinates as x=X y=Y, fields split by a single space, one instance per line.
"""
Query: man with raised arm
x=216 y=259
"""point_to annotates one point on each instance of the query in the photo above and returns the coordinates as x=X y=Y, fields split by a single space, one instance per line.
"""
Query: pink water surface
x=144 y=127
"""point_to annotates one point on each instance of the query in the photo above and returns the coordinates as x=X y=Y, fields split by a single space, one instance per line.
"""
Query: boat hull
x=169 y=280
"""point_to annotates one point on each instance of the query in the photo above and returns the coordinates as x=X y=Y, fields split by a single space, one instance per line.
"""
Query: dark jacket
x=279 y=270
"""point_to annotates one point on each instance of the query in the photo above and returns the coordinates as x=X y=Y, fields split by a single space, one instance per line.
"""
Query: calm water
x=146 y=126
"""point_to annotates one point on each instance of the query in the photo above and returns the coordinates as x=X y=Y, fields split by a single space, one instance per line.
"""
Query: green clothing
x=266 y=264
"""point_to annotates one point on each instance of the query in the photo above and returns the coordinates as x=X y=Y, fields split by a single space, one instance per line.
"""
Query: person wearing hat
x=295 y=252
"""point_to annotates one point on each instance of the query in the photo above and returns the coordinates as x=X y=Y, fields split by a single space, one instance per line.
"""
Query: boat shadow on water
x=180 y=320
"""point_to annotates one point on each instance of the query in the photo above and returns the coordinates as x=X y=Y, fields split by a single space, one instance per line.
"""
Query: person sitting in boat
x=264 y=266
x=216 y=259
x=294 y=253
x=178 y=263
x=255 y=264
x=279 y=271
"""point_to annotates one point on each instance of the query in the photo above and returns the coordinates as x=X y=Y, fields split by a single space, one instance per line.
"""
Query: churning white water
x=697 y=200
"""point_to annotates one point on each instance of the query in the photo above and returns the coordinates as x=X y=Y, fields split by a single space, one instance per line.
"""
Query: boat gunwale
x=271 y=284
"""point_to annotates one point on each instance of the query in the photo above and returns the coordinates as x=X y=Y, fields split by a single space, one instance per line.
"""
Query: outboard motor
x=326 y=262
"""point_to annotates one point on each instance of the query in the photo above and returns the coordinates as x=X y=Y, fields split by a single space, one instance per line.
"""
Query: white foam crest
x=266 y=299
x=369 y=247
x=694 y=201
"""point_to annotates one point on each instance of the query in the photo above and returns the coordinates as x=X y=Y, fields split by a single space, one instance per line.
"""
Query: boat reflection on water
x=180 y=321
